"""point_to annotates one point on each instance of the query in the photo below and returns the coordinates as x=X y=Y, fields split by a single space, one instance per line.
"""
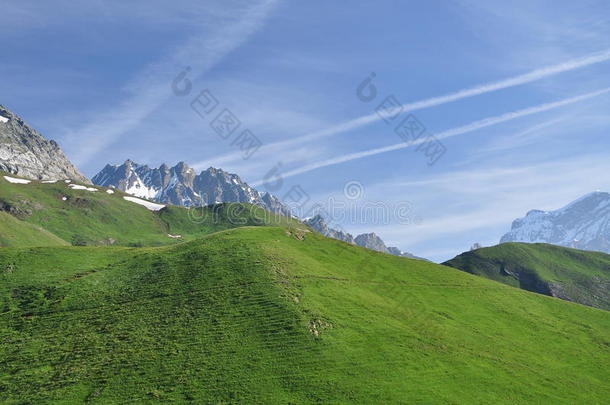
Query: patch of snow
x=3 y=119
x=110 y=191
x=174 y=236
x=16 y=181
x=49 y=181
x=79 y=187
x=67 y=181
x=139 y=188
x=150 y=205
x=582 y=224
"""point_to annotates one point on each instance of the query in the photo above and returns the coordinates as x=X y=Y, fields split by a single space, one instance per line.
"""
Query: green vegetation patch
x=283 y=315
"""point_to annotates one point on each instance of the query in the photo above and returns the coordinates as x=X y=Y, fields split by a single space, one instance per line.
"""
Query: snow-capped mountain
x=583 y=224
x=26 y=153
x=365 y=240
x=180 y=185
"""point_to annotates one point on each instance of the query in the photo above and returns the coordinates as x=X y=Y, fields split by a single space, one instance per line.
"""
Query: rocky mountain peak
x=181 y=185
x=318 y=224
x=582 y=224
x=365 y=240
x=371 y=241
x=26 y=153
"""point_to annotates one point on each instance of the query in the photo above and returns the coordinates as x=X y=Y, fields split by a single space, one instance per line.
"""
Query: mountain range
x=582 y=224
x=180 y=185
x=151 y=306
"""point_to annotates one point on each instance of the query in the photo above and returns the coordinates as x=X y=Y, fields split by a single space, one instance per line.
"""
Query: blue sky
x=525 y=125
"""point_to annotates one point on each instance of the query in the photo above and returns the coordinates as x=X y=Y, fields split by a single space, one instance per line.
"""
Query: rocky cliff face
x=180 y=185
x=365 y=240
x=319 y=225
x=371 y=241
x=583 y=224
x=26 y=153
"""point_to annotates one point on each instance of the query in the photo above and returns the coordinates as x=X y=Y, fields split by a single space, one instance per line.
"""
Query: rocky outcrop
x=371 y=241
x=365 y=240
x=26 y=153
x=318 y=224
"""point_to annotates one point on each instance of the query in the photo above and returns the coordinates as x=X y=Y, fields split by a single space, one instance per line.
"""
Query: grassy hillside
x=570 y=274
x=81 y=217
x=14 y=232
x=283 y=315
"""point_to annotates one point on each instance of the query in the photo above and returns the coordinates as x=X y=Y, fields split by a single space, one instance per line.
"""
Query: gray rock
x=365 y=240
x=371 y=241
x=180 y=185
x=397 y=252
x=319 y=225
x=26 y=153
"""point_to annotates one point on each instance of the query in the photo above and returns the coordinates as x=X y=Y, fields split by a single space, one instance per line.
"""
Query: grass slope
x=99 y=219
x=574 y=275
x=283 y=315
x=14 y=232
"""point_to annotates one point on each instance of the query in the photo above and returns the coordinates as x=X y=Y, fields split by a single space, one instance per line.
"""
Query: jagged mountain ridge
x=181 y=185
x=365 y=240
x=582 y=224
x=26 y=153
x=318 y=224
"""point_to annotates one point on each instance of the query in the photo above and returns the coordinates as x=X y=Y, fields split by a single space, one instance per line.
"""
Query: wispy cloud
x=446 y=134
x=151 y=88
x=360 y=122
x=498 y=195
x=523 y=137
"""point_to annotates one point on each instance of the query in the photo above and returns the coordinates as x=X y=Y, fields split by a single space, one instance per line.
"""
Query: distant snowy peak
x=130 y=178
x=397 y=252
x=582 y=224
x=180 y=185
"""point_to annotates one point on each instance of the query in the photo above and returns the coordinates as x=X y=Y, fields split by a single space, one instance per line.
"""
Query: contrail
x=356 y=123
x=471 y=92
x=150 y=89
x=445 y=134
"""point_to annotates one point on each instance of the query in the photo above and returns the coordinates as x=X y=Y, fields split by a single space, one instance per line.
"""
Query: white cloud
x=537 y=74
x=485 y=201
x=445 y=134
x=152 y=87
